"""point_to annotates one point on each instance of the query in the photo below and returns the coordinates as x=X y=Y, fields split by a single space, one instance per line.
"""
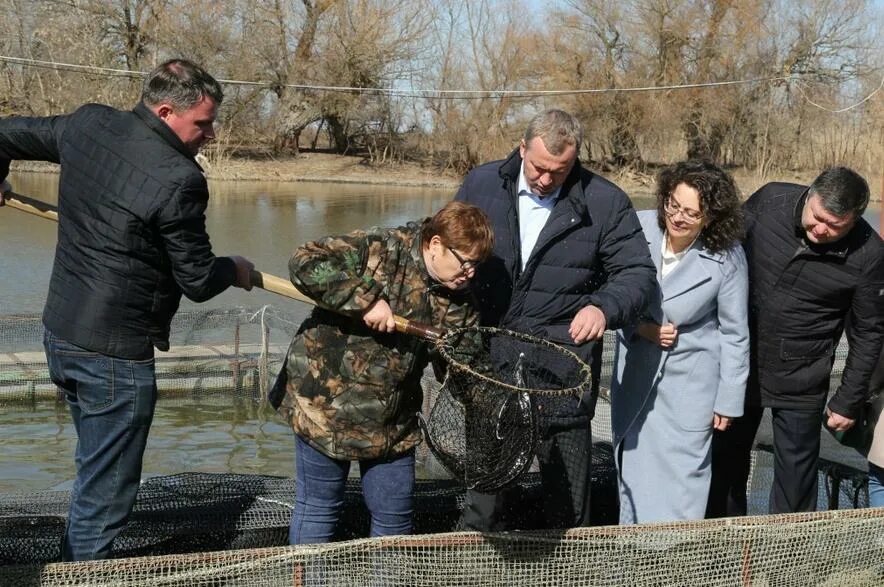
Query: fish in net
x=484 y=426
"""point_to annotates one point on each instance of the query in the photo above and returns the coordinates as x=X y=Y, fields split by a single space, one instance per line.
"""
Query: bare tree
x=293 y=51
x=601 y=24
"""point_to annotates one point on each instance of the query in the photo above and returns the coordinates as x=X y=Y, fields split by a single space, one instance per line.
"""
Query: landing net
x=484 y=424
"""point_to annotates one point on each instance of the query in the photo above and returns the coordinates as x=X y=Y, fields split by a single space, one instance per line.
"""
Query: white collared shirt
x=668 y=259
x=534 y=211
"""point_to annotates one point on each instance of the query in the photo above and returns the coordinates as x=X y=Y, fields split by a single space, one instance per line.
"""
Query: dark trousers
x=796 y=436
x=731 y=460
x=112 y=404
x=796 y=443
x=565 y=460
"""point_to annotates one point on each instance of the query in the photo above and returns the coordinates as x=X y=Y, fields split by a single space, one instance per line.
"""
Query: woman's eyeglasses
x=672 y=210
x=466 y=265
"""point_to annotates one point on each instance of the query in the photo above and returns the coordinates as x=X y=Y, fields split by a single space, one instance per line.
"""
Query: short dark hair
x=842 y=191
x=719 y=200
x=180 y=83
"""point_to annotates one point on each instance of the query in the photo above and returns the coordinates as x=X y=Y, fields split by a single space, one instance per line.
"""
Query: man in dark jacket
x=813 y=260
x=131 y=240
x=569 y=262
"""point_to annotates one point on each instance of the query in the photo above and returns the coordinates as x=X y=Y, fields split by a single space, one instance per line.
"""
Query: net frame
x=446 y=349
x=484 y=429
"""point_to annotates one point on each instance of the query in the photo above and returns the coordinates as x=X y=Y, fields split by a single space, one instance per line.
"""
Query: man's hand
x=243 y=272
x=588 y=324
x=837 y=422
x=664 y=336
x=379 y=317
x=720 y=422
x=5 y=188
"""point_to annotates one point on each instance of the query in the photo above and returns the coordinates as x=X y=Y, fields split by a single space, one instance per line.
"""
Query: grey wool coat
x=663 y=400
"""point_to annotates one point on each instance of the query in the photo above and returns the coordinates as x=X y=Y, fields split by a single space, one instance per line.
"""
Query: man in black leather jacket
x=813 y=261
x=570 y=261
x=131 y=240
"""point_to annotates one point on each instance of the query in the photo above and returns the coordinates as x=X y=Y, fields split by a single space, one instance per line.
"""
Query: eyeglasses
x=690 y=216
x=466 y=265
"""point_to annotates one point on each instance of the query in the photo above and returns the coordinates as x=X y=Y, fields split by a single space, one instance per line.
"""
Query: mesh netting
x=837 y=549
x=236 y=354
x=484 y=425
x=197 y=512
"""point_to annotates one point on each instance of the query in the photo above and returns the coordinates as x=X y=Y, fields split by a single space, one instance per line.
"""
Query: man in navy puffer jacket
x=570 y=261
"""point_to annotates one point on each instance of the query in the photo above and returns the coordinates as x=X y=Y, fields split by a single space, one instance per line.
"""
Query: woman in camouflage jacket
x=351 y=385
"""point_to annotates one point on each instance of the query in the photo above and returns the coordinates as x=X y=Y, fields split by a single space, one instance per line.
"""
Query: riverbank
x=321 y=167
x=330 y=168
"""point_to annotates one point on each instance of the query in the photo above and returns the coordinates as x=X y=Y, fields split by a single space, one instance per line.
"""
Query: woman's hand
x=720 y=422
x=665 y=336
x=379 y=317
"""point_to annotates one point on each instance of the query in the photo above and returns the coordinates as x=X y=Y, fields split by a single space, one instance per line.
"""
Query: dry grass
x=325 y=167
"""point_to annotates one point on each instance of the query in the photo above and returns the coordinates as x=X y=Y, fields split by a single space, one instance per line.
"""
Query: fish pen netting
x=236 y=353
x=835 y=548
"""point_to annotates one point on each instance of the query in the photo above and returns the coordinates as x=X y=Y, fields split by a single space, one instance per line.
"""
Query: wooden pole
x=31 y=206
x=259 y=279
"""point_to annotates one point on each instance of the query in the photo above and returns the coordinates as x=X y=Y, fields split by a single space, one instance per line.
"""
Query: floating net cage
x=231 y=529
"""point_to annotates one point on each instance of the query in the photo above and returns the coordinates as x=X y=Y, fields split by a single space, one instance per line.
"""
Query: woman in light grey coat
x=682 y=370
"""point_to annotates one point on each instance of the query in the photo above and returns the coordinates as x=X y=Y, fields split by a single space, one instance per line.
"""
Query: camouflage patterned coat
x=352 y=392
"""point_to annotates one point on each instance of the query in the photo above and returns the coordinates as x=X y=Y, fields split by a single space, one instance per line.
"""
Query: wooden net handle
x=283 y=287
x=31 y=206
x=265 y=281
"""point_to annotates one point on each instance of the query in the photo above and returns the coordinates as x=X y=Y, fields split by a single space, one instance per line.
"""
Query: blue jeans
x=387 y=488
x=112 y=404
x=876 y=486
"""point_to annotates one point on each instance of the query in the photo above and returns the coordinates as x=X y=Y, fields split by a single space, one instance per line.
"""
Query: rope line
x=840 y=110
x=453 y=94
x=416 y=93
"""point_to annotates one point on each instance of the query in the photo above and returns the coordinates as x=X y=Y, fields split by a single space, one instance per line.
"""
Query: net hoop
x=446 y=349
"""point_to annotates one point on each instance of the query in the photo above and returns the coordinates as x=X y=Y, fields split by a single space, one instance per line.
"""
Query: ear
x=436 y=246
x=163 y=111
x=522 y=147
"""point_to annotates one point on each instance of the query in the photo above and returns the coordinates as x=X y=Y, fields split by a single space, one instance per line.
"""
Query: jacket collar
x=655 y=237
x=838 y=248
x=417 y=254
x=572 y=190
x=161 y=128
x=687 y=274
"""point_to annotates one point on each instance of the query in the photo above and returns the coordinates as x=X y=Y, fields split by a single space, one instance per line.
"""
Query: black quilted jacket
x=131 y=233
x=799 y=298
